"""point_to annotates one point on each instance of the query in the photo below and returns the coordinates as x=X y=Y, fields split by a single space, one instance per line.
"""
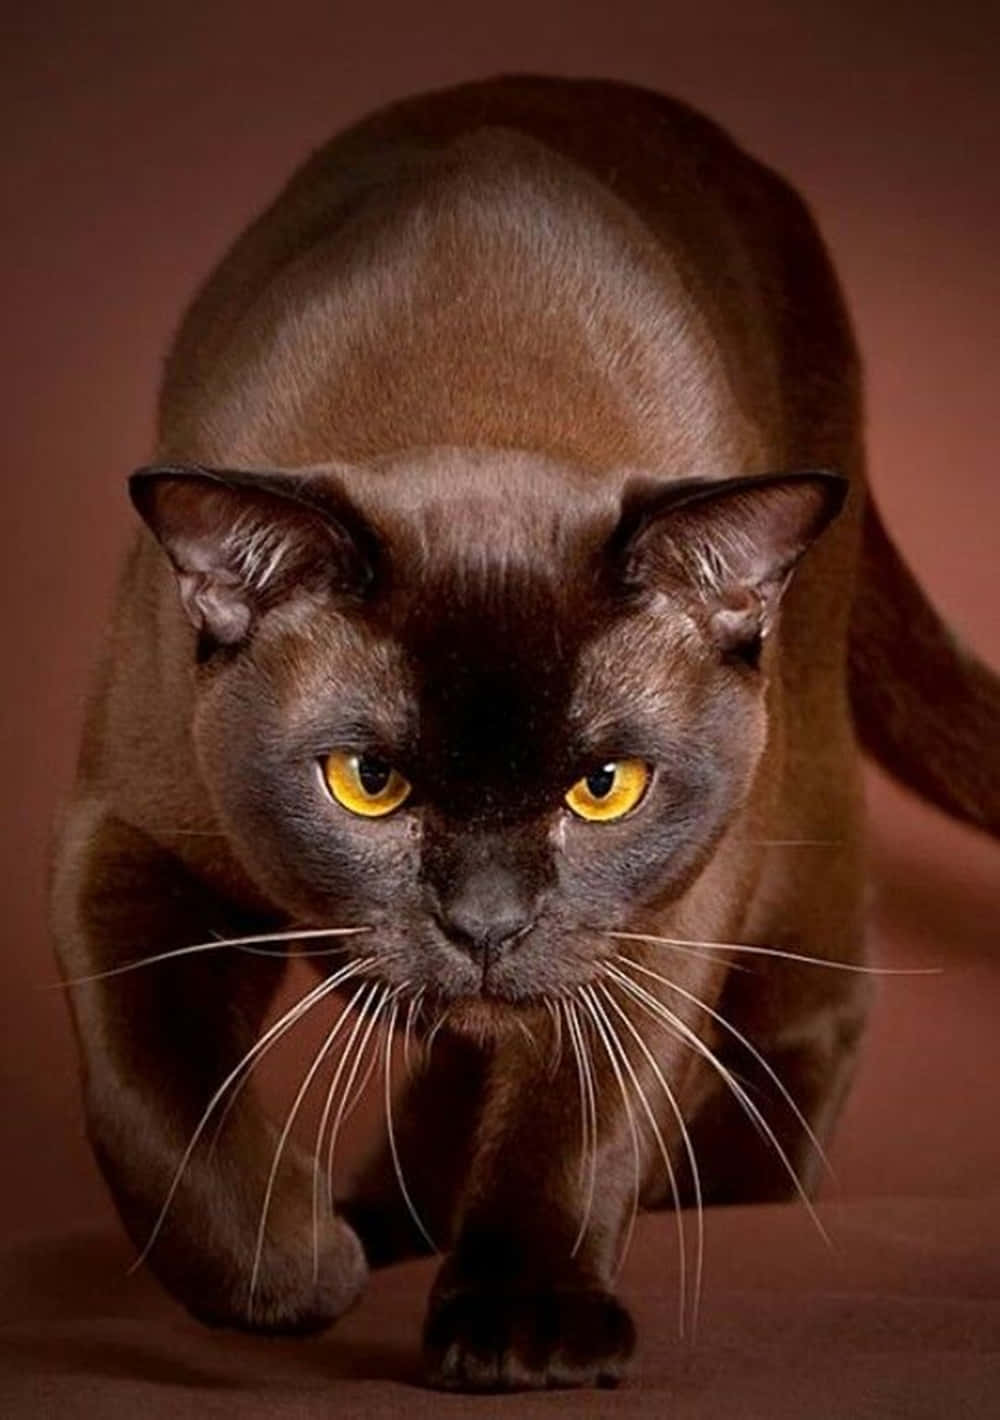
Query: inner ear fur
x=243 y=542
x=731 y=545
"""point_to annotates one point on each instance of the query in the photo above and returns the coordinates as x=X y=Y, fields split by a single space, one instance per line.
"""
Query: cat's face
x=486 y=706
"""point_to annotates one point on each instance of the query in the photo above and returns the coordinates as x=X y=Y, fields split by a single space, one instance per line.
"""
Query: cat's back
x=581 y=267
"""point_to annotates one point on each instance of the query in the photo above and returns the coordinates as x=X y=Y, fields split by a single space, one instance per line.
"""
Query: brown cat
x=485 y=460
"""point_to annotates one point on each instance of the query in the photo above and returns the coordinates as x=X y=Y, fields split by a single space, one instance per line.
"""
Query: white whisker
x=432 y=1037
x=679 y=1028
x=788 y=842
x=778 y=952
x=688 y=1148
x=231 y=1103
x=366 y=1074
x=411 y=1013
x=290 y=956
x=345 y=1055
x=633 y=1130
x=747 y=1045
x=699 y=953
x=528 y=1035
x=582 y=1093
x=588 y=1118
x=671 y=1175
x=279 y=1149
x=588 y=1074
x=345 y=1094
x=555 y=1057
x=260 y=1047
x=245 y=944
x=391 y=1133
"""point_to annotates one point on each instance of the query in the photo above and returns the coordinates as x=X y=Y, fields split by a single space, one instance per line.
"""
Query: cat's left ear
x=242 y=542
x=731 y=545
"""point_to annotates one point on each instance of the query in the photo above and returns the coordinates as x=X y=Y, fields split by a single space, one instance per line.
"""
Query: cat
x=507 y=601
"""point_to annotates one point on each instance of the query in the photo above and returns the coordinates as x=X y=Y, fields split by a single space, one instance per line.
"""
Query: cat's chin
x=486 y=1017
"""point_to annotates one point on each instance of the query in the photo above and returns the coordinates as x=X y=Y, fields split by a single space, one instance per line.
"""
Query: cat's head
x=484 y=704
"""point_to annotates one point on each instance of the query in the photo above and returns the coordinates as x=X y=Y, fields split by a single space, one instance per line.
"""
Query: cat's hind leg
x=763 y=1125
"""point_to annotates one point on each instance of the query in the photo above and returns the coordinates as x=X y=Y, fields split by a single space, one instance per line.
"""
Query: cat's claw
x=483 y=1341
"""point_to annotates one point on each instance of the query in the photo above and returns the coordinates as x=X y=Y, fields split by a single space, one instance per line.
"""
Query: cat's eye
x=364 y=784
x=609 y=791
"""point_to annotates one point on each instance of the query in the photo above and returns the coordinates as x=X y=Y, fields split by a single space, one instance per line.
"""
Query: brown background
x=138 y=140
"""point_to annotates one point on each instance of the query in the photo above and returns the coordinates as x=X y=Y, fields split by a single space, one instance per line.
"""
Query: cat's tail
x=925 y=708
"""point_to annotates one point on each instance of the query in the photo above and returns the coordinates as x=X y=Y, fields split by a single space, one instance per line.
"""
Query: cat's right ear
x=244 y=542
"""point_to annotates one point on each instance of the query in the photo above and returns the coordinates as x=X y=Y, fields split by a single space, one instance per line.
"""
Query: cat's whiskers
x=675 y=1110
x=563 y=1007
x=391 y=1133
x=834 y=965
x=698 y=952
x=588 y=1119
x=369 y=1069
x=411 y=1015
x=250 y=945
x=346 y=1096
x=679 y=1029
x=528 y=1035
x=233 y=1099
x=796 y=842
x=260 y=1047
x=747 y=1045
x=432 y=1036
x=609 y=1040
x=286 y=1130
x=331 y=1094
x=555 y=1057
x=668 y=1165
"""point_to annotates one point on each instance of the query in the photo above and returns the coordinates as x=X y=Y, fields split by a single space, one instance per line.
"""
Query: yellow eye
x=364 y=784
x=609 y=791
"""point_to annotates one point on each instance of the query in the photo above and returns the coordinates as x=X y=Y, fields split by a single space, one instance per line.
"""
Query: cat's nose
x=486 y=911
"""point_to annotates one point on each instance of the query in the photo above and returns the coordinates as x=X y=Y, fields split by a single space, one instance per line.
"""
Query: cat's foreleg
x=526 y=1298
x=436 y=1117
x=157 y=1044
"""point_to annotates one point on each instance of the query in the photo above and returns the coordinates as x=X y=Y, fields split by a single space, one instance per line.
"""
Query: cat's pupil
x=601 y=781
x=373 y=773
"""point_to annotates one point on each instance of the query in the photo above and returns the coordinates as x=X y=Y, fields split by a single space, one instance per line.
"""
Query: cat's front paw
x=291 y=1295
x=479 y=1340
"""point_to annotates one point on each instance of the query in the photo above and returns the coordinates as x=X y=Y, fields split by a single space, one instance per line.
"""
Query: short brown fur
x=482 y=289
